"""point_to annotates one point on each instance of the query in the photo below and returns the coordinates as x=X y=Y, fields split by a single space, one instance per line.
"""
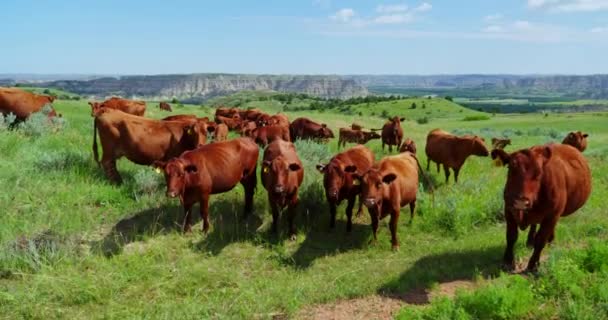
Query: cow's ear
x=265 y=166
x=350 y=169
x=191 y=168
x=546 y=153
x=294 y=167
x=585 y=135
x=323 y=125
x=389 y=178
x=92 y=104
x=402 y=119
x=321 y=167
x=189 y=129
x=500 y=157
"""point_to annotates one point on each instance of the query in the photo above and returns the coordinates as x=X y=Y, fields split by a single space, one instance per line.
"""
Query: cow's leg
x=456 y=171
x=275 y=215
x=109 y=167
x=291 y=212
x=531 y=236
x=360 y=210
x=547 y=228
x=332 y=215
x=438 y=167
x=249 y=183
x=509 y=256
x=390 y=148
x=447 y=172
x=187 y=224
x=205 y=212
x=349 y=213
x=374 y=215
x=393 y=226
x=412 y=210
x=428 y=164
x=552 y=236
x=382 y=146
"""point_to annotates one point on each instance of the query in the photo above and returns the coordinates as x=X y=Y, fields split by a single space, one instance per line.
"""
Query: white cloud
x=424 y=7
x=493 y=17
x=343 y=15
x=394 y=19
x=391 y=8
x=569 y=5
x=599 y=30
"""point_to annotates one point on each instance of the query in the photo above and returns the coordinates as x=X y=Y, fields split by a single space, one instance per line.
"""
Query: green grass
x=74 y=246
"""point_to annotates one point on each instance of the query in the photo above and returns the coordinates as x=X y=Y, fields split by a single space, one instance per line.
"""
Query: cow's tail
x=428 y=181
x=95 y=151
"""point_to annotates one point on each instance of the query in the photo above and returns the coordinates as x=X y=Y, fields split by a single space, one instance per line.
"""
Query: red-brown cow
x=408 y=145
x=500 y=143
x=544 y=183
x=211 y=169
x=263 y=119
x=165 y=106
x=22 y=103
x=246 y=128
x=279 y=119
x=250 y=114
x=180 y=117
x=392 y=133
x=226 y=112
x=141 y=140
x=304 y=128
x=232 y=123
x=267 y=134
x=134 y=107
x=390 y=184
x=203 y=122
x=355 y=136
x=221 y=133
x=452 y=151
x=339 y=184
x=282 y=175
x=577 y=139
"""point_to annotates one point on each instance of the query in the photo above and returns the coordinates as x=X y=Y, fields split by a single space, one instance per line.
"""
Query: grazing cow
x=339 y=184
x=232 y=123
x=388 y=185
x=221 y=133
x=226 y=112
x=500 y=143
x=279 y=119
x=544 y=183
x=304 y=128
x=134 y=107
x=355 y=126
x=211 y=169
x=577 y=139
x=392 y=133
x=408 y=145
x=165 y=106
x=250 y=114
x=203 y=122
x=355 y=136
x=179 y=117
x=23 y=103
x=246 y=128
x=282 y=175
x=141 y=140
x=267 y=134
x=452 y=151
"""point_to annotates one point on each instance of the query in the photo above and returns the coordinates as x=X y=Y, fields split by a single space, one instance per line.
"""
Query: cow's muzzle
x=370 y=202
x=279 y=189
x=172 y=194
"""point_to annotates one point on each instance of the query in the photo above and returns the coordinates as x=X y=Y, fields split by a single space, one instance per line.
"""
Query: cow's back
x=359 y=156
x=439 y=144
x=21 y=103
x=404 y=166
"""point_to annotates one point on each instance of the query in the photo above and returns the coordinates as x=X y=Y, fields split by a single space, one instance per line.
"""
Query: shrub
x=449 y=98
x=476 y=118
x=7 y=121
x=146 y=182
x=423 y=120
x=38 y=124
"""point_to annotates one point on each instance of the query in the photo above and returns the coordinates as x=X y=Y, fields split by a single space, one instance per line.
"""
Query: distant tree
x=174 y=101
x=413 y=105
x=423 y=105
x=360 y=114
x=46 y=91
x=449 y=98
x=384 y=114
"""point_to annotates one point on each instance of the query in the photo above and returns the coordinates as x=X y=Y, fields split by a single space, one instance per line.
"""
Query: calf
x=141 y=140
x=165 y=106
x=211 y=169
x=499 y=143
x=408 y=146
x=282 y=175
x=355 y=136
x=392 y=133
x=339 y=184
x=390 y=184
x=304 y=128
x=452 y=151
x=544 y=183
x=134 y=107
x=267 y=134
x=577 y=139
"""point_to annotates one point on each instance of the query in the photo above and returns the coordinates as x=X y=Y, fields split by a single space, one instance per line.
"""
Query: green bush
x=476 y=118
x=423 y=120
x=39 y=124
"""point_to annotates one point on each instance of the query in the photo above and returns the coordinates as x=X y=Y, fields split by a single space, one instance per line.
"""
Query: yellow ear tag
x=189 y=131
x=157 y=170
x=265 y=170
x=498 y=162
x=356 y=182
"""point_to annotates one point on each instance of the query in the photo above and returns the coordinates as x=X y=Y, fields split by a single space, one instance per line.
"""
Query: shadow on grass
x=413 y=285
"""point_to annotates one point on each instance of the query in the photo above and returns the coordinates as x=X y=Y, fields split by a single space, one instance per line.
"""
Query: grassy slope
x=115 y=252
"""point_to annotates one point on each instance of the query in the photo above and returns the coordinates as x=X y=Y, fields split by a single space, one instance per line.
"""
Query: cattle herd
x=544 y=182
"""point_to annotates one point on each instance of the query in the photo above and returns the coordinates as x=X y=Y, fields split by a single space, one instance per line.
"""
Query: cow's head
x=324 y=132
x=178 y=175
x=374 y=185
x=194 y=135
x=282 y=177
x=334 y=179
x=478 y=146
x=524 y=179
x=396 y=119
x=577 y=139
x=408 y=146
x=263 y=120
x=95 y=108
x=370 y=135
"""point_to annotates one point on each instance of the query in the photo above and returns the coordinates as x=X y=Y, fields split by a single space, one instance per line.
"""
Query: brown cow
x=267 y=134
x=452 y=151
x=263 y=119
x=232 y=123
x=221 y=133
x=179 y=117
x=23 y=103
x=134 y=107
x=203 y=122
x=250 y=114
x=392 y=133
x=390 y=184
x=577 y=139
x=355 y=136
x=246 y=128
x=500 y=143
x=141 y=140
x=408 y=145
x=339 y=184
x=279 y=119
x=211 y=169
x=165 y=106
x=226 y=112
x=282 y=175
x=304 y=128
x=544 y=183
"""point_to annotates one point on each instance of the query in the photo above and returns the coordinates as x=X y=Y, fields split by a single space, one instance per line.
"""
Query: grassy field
x=74 y=246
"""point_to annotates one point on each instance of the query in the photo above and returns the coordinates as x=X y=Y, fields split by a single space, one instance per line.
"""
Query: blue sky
x=305 y=36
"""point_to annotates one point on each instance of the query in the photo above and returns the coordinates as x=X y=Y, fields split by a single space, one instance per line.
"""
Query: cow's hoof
x=395 y=248
x=508 y=267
